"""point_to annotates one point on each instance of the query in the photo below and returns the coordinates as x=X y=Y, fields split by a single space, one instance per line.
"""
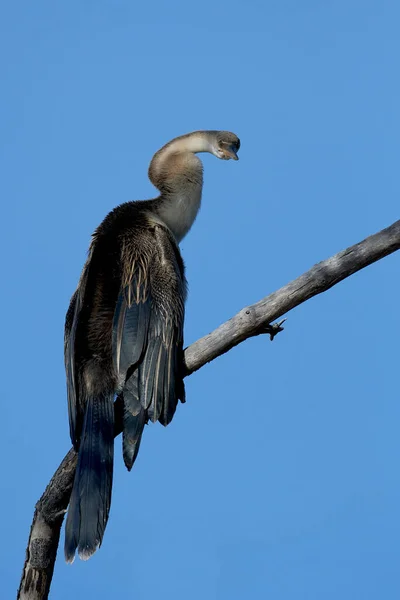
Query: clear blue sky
x=280 y=477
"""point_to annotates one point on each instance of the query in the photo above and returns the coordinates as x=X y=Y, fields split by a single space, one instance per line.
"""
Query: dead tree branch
x=250 y=321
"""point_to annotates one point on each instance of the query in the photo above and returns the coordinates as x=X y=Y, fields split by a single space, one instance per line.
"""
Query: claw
x=273 y=329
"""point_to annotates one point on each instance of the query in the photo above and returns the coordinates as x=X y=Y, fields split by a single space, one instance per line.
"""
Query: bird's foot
x=273 y=329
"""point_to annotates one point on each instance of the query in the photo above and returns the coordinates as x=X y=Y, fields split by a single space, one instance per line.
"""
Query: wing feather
x=71 y=322
x=135 y=419
x=130 y=327
x=148 y=336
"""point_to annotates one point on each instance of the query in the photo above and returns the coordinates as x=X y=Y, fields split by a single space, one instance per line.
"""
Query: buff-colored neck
x=175 y=156
x=178 y=174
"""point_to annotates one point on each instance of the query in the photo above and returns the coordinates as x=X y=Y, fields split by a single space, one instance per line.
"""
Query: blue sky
x=280 y=476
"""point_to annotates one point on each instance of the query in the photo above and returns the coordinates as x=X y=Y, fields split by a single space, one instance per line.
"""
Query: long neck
x=178 y=174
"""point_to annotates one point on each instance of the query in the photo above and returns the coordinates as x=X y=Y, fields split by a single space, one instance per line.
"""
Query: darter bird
x=124 y=328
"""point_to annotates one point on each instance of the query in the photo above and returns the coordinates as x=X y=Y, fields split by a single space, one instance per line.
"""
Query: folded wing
x=148 y=337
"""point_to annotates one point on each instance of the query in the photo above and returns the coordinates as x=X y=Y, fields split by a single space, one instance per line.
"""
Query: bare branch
x=320 y=278
x=250 y=321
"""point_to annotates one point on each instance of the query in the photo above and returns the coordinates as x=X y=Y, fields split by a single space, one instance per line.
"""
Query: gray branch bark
x=250 y=321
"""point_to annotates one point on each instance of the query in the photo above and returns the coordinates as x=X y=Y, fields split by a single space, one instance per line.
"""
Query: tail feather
x=135 y=418
x=91 y=493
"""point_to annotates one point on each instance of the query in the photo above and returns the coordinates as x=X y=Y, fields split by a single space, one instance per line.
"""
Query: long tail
x=91 y=494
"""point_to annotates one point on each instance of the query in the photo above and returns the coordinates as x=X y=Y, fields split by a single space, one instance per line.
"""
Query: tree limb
x=250 y=321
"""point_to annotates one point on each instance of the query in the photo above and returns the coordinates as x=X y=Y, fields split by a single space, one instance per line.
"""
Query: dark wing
x=148 y=336
x=75 y=410
x=69 y=343
x=91 y=391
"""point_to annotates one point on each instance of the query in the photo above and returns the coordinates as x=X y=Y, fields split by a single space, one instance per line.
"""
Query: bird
x=124 y=328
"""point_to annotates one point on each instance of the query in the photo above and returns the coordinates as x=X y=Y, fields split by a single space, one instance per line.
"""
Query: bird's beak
x=231 y=153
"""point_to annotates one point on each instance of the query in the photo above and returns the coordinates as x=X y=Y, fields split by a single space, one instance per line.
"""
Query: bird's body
x=124 y=328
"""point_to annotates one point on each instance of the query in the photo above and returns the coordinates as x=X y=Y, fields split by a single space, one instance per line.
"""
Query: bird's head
x=224 y=145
